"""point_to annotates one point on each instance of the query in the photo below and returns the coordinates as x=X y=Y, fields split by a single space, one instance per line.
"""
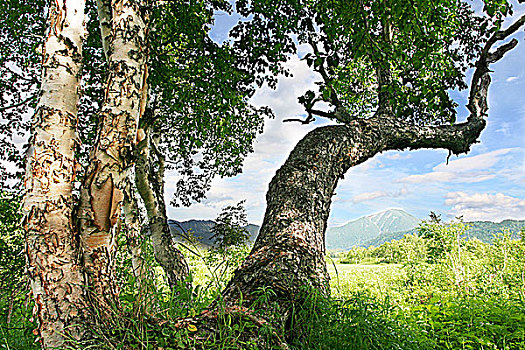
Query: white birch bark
x=150 y=185
x=111 y=159
x=52 y=252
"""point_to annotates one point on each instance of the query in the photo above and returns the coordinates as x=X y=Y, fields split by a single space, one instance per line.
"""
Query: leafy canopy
x=392 y=57
x=199 y=97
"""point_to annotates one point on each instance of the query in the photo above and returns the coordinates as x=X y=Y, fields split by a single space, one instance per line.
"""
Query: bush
x=15 y=308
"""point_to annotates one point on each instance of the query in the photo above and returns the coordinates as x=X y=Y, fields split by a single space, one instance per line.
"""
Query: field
x=425 y=314
x=406 y=294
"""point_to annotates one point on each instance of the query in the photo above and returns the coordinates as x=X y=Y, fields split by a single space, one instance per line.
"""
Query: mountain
x=201 y=229
x=359 y=231
x=485 y=230
x=482 y=230
x=369 y=230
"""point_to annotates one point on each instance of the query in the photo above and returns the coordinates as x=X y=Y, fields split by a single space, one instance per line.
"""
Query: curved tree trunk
x=150 y=184
x=288 y=256
x=52 y=248
x=289 y=253
x=111 y=160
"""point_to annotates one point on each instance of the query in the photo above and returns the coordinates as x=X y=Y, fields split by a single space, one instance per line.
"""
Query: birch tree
x=53 y=261
x=112 y=123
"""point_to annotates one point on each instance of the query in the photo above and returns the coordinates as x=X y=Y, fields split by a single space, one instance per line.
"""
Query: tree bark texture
x=104 y=17
x=150 y=184
x=288 y=255
x=56 y=277
x=112 y=157
x=134 y=232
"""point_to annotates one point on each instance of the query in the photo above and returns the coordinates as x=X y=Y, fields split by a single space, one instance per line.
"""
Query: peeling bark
x=150 y=184
x=134 y=235
x=112 y=158
x=53 y=266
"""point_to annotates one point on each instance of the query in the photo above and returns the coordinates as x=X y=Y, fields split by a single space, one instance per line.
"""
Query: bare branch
x=502 y=35
x=306 y=121
x=478 y=105
x=30 y=98
x=501 y=51
x=460 y=137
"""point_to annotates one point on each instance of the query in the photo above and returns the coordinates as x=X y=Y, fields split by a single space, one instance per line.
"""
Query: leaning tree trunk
x=52 y=251
x=150 y=184
x=288 y=255
x=111 y=159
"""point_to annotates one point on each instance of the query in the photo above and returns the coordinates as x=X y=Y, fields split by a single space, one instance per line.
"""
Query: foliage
x=198 y=99
x=473 y=323
x=15 y=309
x=356 y=322
x=417 y=305
x=21 y=31
x=399 y=55
x=231 y=244
x=229 y=229
x=482 y=309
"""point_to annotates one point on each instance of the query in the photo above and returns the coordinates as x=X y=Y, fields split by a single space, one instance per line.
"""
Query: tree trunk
x=150 y=184
x=111 y=159
x=105 y=20
x=134 y=234
x=52 y=248
x=288 y=255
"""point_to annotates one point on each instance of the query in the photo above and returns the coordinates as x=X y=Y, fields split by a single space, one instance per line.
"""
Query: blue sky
x=486 y=184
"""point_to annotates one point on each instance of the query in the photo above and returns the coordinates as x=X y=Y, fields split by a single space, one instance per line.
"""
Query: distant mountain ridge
x=482 y=230
x=202 y=230
x=357 y=232
x=394 y=224
x=375 y=229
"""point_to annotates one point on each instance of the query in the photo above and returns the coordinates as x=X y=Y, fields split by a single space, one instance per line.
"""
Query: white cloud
x=465 y=170
x=397 y=156
x=368 y=196
x=485 y=206
x=509 y=79
x=479 y=162
x=438 y=176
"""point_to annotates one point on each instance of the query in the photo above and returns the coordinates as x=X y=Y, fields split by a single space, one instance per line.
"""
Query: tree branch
x=340 y=113
x=32 y=97
x=306 y=121
x=105 y=19
x=456 y=138
x=481 y=80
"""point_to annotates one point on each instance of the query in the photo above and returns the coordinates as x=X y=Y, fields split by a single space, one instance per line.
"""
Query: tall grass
x=411 y=305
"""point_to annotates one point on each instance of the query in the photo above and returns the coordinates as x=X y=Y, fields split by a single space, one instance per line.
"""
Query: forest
x=102 y=100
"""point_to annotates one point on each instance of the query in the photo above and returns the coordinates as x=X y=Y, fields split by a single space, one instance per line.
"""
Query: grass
x=427 y=315
x=384 y=306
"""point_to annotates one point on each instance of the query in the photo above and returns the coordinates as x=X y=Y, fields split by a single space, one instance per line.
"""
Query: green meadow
x=453 y=294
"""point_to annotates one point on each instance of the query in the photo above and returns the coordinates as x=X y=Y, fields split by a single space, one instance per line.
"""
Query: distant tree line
x=435 y=241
